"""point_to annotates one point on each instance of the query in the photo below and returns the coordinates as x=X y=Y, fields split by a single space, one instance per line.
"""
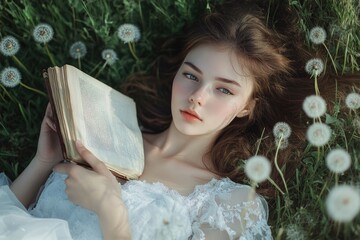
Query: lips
x=190 y=115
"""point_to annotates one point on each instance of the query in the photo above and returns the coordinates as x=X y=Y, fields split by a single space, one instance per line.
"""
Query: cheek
x=176 y=89
x=226 y=111
x=179 y=88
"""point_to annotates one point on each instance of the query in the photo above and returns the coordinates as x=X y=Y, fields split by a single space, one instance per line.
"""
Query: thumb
x=97 y=165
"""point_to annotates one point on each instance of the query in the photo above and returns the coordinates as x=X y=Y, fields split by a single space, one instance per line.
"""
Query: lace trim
x=207 y=204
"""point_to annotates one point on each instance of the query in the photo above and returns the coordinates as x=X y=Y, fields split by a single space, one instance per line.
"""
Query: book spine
x=45 y=75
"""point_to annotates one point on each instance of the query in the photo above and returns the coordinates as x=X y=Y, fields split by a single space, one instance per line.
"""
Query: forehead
x=218 y=60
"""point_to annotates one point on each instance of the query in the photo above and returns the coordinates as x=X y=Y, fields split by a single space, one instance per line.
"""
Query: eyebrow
x=225 y=80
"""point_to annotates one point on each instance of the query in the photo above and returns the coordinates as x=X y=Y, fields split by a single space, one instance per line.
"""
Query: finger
x=49 y=112
x=48 y=118
x=51 y=124
x=97 y=165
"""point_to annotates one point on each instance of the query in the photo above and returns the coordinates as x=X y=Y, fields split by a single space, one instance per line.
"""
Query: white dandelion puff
x=77 y=50
x=314 y=106
x=43 y=33
x=129 y=33
x=314 y=66
x=10 y=77
x=352 y=101
x=109 y=56
x=282 y=129
x=257 y=168
x=317 y=35
x=343 y=203
x=294 y=231
x=9 y=46
x=338 y=160
x=318 y=134
x=356 y=123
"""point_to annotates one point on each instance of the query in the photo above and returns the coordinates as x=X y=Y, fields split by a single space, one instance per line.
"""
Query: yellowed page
x=106 y=122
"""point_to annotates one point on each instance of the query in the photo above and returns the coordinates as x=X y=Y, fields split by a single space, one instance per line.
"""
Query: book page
x=106 y=123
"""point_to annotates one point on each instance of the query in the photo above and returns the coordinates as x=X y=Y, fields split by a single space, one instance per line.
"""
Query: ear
x=247 y=109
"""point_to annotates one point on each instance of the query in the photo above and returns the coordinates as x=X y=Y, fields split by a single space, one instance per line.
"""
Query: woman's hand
x=99 y=191
x=48 y=154
x=90 y=188
x=48 y=149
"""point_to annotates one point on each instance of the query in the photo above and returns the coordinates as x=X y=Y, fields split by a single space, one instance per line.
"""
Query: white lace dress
x=220 y=209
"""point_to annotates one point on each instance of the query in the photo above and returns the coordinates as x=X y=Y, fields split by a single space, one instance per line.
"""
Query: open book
x=103 y=119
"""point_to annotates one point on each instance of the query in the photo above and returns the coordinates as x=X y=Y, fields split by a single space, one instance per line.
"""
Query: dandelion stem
x=32 y=89
x=132 y=50
x=275 y=185
x=317 y=91
x=336 y=179
x=50 y=55
x=79 y=62
x=7 y=93
x=94 y=68
x=2 y=98
x=253 y=187
x=18 y=62
x=277 y=166
x=101 y=69
x=317 y=159
x=318 y=118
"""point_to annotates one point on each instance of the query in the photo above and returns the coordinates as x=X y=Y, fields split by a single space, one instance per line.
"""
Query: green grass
x=299 y=215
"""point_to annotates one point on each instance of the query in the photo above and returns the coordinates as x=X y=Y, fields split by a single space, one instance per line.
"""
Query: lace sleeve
x=233 y=211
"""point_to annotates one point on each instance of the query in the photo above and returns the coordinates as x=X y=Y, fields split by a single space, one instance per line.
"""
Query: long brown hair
x=275 y=59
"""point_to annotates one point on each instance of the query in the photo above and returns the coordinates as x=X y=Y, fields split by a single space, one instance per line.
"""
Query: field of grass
x=299 y=214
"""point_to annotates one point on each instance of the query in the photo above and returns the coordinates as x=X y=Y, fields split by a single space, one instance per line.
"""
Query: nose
x=198 y=97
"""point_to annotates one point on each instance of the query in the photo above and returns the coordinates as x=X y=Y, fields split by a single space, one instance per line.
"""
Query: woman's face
x=209 y=90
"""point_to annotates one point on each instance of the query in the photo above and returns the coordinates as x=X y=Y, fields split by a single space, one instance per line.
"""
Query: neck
x=172 y=144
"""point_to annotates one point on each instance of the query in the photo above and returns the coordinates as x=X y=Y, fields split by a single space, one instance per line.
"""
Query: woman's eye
x=225 y=91
x=190 y=76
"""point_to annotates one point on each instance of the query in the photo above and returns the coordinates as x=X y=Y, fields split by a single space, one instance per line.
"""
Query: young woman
x=233 y=79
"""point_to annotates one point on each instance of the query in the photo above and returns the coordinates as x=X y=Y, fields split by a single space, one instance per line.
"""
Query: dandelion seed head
x=294 y=231
x=43 y=33
x=10 y=77
x=338 y=160
x=314 y=106
x=9 y=46
x=282 y=129
x=352 y=101
x=314 y=66
x=343 y=203
x=356 y=124
x=109 y=56
x=257 y=168
x=317 y=35
x=129 y=33
x=318 y=134
x=78 y=50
